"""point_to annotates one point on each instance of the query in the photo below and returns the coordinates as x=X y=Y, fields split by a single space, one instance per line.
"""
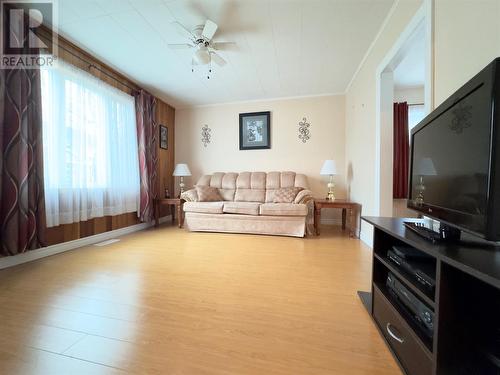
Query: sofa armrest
x=303 y=196
x=190 y=195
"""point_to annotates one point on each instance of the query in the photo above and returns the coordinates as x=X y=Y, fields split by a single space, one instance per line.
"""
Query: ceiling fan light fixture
x=202 y=56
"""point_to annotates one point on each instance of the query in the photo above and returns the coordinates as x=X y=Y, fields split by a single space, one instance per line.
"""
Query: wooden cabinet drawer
x=405 y=344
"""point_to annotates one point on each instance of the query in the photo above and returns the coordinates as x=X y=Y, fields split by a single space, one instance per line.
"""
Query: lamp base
x=331 y=186
x=181 y=186
x=330 y=196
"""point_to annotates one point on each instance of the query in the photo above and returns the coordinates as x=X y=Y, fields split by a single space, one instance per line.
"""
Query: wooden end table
x=352 y=207
x=173 y=203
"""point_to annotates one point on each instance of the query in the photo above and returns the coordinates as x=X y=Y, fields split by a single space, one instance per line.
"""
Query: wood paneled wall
x=165 y=115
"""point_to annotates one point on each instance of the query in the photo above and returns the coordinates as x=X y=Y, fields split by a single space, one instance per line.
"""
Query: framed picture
x=255 y=130
x=163 y=137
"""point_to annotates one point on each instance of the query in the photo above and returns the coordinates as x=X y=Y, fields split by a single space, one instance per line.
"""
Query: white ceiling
x=284 y=47
x=410 y=72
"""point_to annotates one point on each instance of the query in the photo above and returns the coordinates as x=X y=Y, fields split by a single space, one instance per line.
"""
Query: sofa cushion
x=286 y=195
x=244 y=208
x=228 y=186
x=208 y=194
x=204 y=207
x=270 y=195
x=227 y=194
x=229 y=181
x=204 y=180
x=249 y=195
x=250 y=187
x=288 y=179
x=301 y=180
x=283 y=209
x=273 y=180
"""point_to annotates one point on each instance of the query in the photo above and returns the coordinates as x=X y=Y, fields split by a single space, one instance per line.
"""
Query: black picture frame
x=255 y=130
x=163 y=137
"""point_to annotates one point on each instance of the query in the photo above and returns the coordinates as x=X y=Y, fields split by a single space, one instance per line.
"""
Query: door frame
x=423 y=20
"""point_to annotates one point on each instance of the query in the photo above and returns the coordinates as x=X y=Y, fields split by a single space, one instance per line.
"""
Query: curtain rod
x=411 y=105
x=92 y=65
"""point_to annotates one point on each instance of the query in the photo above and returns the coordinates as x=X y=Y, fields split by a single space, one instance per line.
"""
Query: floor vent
x=108 y=242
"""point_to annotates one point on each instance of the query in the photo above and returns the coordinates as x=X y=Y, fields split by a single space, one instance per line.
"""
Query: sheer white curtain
x=90 y=155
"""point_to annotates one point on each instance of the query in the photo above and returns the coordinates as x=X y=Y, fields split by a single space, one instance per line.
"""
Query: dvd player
x=423 y=315
x=420 y=267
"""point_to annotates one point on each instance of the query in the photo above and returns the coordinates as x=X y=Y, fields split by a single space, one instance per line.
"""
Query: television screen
x=450 y=162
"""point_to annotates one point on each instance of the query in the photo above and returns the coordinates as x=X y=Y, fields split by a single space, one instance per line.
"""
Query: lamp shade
x=181 y=170
x=328 y=168
x=425 y=167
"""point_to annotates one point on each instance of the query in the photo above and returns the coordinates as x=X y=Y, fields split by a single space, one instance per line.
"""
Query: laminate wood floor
x=166 y=301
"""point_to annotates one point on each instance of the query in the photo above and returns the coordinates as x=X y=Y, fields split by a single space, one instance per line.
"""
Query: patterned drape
x=401 y=151
x=22 y=213
x=147 y=138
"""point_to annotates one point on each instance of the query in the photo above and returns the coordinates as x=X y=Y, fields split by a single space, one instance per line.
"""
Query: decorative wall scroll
x=304 y=132
x=205 y=135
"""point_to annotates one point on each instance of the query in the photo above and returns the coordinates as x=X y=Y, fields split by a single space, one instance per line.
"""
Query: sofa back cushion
x=208 y=194
x=225 y=183
x=252 y=186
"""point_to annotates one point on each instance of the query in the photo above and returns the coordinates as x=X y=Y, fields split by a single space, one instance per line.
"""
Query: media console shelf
x=466 y=303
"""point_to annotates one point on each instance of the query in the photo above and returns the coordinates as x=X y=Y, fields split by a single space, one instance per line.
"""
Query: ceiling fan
x=200 y=39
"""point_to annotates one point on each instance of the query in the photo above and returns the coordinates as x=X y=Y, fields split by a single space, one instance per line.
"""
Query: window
x=416 y=113
x=91 y=165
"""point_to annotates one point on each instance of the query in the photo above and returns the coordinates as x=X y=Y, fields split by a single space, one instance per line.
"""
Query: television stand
x=465 y=303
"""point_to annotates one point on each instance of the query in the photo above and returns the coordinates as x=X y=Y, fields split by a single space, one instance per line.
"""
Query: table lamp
x=329 y=169
x=181 y=170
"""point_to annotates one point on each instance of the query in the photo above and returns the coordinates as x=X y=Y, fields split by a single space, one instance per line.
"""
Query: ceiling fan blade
x=182 y=30
x=209 y=30
x=223 y=46
x=180 y=46
x=217 y=59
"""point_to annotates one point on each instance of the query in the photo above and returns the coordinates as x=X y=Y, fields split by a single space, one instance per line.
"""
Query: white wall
x=326 y=114
x=360 y=113
x=386 y=138
x=412 y=95
x=467 y=38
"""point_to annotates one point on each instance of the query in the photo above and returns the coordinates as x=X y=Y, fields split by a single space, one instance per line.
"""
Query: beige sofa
x=248 y=207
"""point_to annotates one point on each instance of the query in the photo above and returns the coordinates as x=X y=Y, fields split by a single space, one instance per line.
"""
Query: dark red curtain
x=22 y=206
x=401 y=151
x=147 y=137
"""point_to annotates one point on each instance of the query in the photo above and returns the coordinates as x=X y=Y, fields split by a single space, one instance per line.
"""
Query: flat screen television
x=454 y=172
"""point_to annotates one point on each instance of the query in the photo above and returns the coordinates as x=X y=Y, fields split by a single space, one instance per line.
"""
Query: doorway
x=404 y=76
